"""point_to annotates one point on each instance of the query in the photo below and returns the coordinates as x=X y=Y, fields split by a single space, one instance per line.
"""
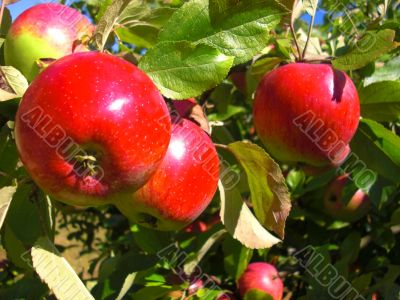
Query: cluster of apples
x=93 y=129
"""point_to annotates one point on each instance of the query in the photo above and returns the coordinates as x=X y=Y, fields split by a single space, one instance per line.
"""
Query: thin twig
x=295 y=41
x=308 y=35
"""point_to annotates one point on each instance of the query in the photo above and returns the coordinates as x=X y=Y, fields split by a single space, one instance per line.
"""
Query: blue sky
x=21 y=5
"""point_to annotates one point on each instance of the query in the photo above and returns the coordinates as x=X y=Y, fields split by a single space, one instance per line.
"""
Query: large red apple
x=306 y=113
x=44 y=31
x=183 y=185
x=91 y=126
x=355 y=209
x=262 y=277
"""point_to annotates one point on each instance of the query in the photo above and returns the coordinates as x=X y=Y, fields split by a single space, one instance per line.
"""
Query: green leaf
x=55 y=271
x=128 y=282
x=15 y=80
x=350 y=247
x=378 y=148
x=236 y=257
x=193 y=261
x=380 y=101
x=29 y=287
x=370 y=47
x=362 y=282
x=264 y=65
x=310 y=6
x=139 y=25
x=269 y=193
x=181 y=70
x=231 y=110
x=108 y=21
x=235 y=28
x=390 y=71
x=241 y=223
x=254 y=294
x=149 y=240
x=6 y=195
x=102 y=9
x=395 y=218
x=29 y=208
x=5 y=22
x=151 y=292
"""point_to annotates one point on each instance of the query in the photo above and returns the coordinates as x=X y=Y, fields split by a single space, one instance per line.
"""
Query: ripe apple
x=355 y=209
x=92 y=126
x=183 y=185
x=306 y=113
x=44 y=31
x=262 y=277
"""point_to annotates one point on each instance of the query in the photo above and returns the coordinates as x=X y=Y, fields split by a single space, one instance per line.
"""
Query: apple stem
x=221 y=146
x=308 y=35
x=88 y=162
x=295 y=41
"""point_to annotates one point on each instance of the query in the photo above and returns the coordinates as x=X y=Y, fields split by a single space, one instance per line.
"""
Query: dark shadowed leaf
x=380 y=101
x=193 y=261
x=236 y=257
x=378 y=148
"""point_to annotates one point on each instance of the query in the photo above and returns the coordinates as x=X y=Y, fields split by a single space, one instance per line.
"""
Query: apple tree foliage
x=269 y=211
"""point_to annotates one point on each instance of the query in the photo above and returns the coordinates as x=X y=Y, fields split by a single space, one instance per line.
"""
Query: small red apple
x=183 y=185
x=355 y=209
x=46 y=30
x=262 y=277
x=306 y=113
x=92 y=126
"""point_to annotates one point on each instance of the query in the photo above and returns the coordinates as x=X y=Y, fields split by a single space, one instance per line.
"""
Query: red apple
x=183 y=185
x=92 y=126
x=262 y=277
x=44 y=31
x=306 y=113
x=355 y=209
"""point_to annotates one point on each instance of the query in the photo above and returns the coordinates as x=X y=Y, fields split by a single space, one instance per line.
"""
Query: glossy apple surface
x=355 y=209
x=44 y=31
x=306 y=113
x=90 y=126
x=262 y=277
x=182 y=186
